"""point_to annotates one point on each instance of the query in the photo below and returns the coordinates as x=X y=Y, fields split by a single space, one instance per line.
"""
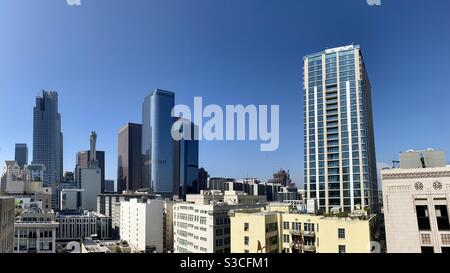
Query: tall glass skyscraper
x=186 y=180
x=340 y=165
x=47 y=137
x=129 y=161
x=157 y=142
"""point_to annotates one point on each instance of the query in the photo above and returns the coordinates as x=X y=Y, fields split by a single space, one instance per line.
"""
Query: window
x=341 y=248
x=423 y=219
x=286 y=238
x=442 y=217
x=246 y=239
x=219 y=242
x=219 y=232
x=246 y=251
x=246 y=226
x=285 y=225
x=341 y=233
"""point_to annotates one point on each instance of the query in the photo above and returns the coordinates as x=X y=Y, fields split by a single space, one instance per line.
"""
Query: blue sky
x=104 y=56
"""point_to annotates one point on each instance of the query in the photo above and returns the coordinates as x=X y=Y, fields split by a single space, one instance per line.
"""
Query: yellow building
x=277 y=230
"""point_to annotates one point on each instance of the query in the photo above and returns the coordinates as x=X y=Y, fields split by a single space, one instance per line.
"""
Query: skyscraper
x=83 y=162
x=21 y=154
x=340 y=164
x=47 y=137
x=185 y=176
x=129 y=164
x=157 y=142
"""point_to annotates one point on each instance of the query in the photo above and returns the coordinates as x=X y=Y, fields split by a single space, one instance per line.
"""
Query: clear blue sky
x=106 y=55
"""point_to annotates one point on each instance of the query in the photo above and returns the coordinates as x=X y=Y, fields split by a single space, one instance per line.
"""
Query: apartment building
x=202 y=224
x=78 y=225
x=282 y=229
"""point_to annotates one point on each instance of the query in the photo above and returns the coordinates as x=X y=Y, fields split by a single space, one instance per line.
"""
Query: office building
x=185 y=156
x=129 y=163
x=202 y=179
x=282 y=178
x=47 y=137
x=157 y=142
x=110 y=186
x=77 y=225
x=35 y=231
x=201 y=224
x=7 y=215
x=83 y=158
x=281 y=229
x=69 y=198
x=88 y=176
x=141 y=224
x=21 y=154
x=416 y=200
x=34 y=172
x=109 y=204
x=340 y=164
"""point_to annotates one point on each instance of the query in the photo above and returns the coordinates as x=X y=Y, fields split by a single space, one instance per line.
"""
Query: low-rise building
x=281 y=229
x=78 y=225
x=35 y=231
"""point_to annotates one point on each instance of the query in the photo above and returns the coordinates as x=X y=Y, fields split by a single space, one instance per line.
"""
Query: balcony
x=309 y=233
x=309 y=248
x=295 y=232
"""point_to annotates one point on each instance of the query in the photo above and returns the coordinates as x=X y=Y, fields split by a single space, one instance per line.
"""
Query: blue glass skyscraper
x=340 y=165
x=157 y=142
x=47 y=137
x=186 y=178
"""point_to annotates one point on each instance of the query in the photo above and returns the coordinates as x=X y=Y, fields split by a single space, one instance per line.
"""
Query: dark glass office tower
x=47 y=136
x=129 y=165
x=340 y=163
x=83 y=163
x=186 y=173
x=21 y=154
x=157 y=142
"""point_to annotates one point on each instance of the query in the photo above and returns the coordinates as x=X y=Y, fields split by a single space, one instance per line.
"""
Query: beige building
x=416 y=200
x=283 y=230
x=7 y=206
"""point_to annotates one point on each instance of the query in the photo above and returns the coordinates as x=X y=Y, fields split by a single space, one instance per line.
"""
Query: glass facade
x=157 y=142
x=186 y=178
x=129 y=171
x=47 y=137
x=340 y=165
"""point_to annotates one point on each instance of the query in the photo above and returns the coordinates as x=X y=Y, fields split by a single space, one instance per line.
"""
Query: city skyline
x=392 y=86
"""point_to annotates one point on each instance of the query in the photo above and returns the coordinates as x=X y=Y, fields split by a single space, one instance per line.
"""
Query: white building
x=141 y=224
x=416 y=204
x=78 y=225
x=35 y=231
x=202 y=224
